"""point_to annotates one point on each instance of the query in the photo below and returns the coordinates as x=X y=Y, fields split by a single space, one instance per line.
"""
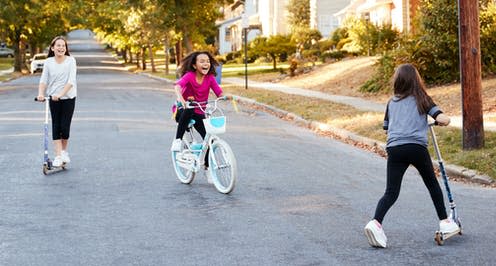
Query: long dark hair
x=190 y=60
x=52 y=44
x=406 y=82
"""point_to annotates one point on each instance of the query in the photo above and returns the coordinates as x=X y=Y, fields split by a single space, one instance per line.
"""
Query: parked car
x=6 y=52
x=37 y=62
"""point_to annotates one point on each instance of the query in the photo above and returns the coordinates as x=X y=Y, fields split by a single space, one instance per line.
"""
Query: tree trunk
x=138 y=60
x=143 y=58
x=17 y=54
x=470 y=75
x=167 y=56
x=179 y=52
x=152 y=58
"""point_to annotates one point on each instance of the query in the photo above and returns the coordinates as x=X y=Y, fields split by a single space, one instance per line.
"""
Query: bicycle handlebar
x=204 y=105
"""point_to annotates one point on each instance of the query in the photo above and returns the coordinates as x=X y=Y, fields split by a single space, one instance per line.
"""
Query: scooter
x=48 y=167
x=440 y=237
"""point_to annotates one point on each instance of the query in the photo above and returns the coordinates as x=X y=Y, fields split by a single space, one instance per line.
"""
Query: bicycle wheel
x=184 y=162
x=222 y=166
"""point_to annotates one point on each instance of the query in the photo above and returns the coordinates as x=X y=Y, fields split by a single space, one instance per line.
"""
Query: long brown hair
x=406 y=82
x=52 y=44
x=190 y=60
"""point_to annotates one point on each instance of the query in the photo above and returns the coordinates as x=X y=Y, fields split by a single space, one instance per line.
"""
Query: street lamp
x=245 y=25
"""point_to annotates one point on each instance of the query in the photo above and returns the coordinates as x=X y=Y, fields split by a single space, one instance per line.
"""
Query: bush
x=488 y=38
x=334 y=55
x=380 y=81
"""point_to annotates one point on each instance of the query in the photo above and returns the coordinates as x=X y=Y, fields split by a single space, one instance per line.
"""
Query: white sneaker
x=209 y=176
x=176 y=145
x=57 y=162
x=375 y=234
x=448 y=226
x=65 y=157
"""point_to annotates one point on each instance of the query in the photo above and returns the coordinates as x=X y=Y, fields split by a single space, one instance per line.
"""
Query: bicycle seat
x=191 y=123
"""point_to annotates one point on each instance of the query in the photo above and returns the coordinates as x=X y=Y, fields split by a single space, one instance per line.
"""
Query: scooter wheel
x=439 y=238
x=45 y=170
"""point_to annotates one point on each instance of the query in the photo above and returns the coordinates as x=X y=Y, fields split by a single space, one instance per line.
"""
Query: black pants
x=61 y=112
x=183 y=117
x=399 y=158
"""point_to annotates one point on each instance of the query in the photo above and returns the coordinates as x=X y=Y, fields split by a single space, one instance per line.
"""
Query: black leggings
x=61 y=112
x=399 y=158
x=183 y=117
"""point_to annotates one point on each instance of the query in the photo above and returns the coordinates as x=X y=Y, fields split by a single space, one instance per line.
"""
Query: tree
x=275 y=46
x=33 y=21
x=299 y=21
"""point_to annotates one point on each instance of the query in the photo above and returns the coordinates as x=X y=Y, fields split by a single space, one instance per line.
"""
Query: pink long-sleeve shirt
x=190 y=87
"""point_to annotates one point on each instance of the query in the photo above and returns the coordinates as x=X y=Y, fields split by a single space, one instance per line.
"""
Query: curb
x=465 y=173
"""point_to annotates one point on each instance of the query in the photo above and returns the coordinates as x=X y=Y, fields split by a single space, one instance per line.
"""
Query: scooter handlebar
x=36 y=99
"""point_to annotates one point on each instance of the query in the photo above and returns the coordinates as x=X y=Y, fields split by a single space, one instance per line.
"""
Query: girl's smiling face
x=202 y=64
x=59 y=47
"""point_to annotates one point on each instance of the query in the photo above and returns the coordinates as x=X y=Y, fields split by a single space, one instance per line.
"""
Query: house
x=269 y=17
x=259 y=17
x=398 y=13
x=322 y=15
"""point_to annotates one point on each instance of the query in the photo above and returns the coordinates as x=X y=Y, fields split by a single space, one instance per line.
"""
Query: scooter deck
x=53 y=169
x=440 y=237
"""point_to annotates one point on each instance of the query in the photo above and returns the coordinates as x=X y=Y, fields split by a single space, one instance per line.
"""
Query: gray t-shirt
x=56 y=76
x=404 y=123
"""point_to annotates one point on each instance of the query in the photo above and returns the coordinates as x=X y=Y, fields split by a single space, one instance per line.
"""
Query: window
x=228 y=34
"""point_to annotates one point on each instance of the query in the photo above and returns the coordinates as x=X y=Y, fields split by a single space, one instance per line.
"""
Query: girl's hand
x=443 y=120
x=55 y=98
x=40 y=98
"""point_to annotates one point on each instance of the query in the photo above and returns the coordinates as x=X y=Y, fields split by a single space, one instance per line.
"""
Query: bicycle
x=221 y=160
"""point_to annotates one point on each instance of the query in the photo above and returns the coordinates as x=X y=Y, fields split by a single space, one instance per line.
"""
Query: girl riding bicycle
x=198 y=73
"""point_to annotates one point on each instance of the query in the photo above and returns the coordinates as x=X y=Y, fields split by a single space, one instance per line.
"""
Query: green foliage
x=339 y=34
x=433 y=49
x=438 y=35
x=488 y=37
x=381 y=78
x=367 y=38
x=334 y=55
x=276 y=46
x=299 y=11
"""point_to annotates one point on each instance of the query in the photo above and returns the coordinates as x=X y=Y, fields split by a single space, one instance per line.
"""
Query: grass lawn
x=344 y=78
x=6 y=63
x=369 y=124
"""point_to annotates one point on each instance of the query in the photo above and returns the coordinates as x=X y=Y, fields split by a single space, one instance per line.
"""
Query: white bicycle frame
x=190 y=153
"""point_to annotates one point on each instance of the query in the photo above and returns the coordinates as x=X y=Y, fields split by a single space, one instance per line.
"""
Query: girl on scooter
x=58 y=81
x=406 y=124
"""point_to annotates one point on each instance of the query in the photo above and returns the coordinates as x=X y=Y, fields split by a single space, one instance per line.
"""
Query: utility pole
x=245 y=25
x=470 y=74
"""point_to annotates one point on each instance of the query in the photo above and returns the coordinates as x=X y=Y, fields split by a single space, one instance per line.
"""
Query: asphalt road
x=301 y=199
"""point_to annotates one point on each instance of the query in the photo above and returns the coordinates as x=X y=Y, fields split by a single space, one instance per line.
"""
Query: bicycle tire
x=222 y=166
x=184 y=175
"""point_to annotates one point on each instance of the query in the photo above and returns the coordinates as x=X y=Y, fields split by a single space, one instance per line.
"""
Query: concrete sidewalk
x=6 y=71
x=358 y=103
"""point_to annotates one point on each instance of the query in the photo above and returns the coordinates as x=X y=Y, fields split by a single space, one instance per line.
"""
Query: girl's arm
x=43 y=82
x=67 y=87
x=180 y=97
x=41 y=92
